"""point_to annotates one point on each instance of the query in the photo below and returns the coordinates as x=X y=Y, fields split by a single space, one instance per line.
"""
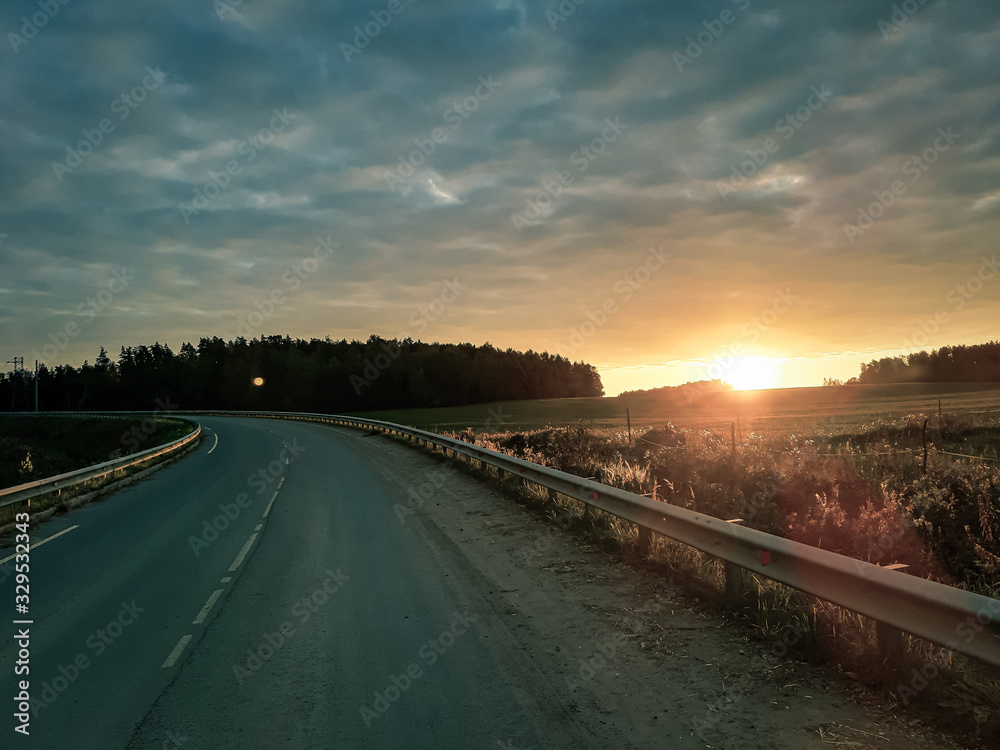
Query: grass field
x=821 y=411
x=38 y=446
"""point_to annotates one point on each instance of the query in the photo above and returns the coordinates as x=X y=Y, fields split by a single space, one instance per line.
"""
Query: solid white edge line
x=36 y=545
x=176 y=653
x=214 y=445
x=243 y=553
x=268 y=508
x=208 y=607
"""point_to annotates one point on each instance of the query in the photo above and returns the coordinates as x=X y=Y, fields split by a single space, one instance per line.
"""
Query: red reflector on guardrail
x=765 y=557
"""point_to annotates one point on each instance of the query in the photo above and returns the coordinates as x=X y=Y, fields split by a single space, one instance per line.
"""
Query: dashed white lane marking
x=258 y=527
x=176 y=653
x=208 y=607
x=243 y=553
x=214 y=445
x=281 y=482
x=227 y=579
x=36 y=545
x=268 y=508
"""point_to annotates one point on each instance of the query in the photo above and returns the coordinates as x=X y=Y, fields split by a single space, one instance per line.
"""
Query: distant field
x=821 y=411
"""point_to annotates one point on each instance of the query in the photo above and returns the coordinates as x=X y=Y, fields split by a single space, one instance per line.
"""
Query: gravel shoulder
x=603 y=653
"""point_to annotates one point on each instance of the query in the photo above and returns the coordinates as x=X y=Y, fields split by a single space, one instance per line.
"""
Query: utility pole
x=36 y=386
x=16 y=380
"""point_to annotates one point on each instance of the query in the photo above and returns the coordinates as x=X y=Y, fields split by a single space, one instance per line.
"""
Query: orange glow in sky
x=753 y=373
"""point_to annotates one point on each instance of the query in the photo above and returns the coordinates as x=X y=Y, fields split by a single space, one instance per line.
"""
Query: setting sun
x=753 y=373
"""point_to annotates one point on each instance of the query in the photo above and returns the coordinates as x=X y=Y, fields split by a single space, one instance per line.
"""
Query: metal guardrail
x=959 y=620
x=30 y=490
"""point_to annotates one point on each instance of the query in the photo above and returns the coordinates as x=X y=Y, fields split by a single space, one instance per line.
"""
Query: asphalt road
x=260 y=593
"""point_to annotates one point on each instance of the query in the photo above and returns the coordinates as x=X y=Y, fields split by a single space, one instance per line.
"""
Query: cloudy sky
x=655 y=188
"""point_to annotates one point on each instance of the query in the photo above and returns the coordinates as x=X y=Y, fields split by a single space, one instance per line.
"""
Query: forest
x=279 y=373
x=949 y=364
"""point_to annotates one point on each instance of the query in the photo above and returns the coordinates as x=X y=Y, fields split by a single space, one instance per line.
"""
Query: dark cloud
x=393 y=148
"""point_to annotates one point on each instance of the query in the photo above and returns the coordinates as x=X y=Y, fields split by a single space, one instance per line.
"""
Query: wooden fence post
x=924 y=470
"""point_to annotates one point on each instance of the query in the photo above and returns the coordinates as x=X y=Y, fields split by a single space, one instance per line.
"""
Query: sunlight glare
x=753 y=373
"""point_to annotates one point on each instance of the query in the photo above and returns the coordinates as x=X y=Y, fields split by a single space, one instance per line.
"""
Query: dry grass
x=865 y=497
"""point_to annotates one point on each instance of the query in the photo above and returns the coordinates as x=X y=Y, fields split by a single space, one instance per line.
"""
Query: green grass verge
x=37 y=447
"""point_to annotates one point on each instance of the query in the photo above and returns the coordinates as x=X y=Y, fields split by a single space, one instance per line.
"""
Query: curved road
x=260 y=593
x=292 y=585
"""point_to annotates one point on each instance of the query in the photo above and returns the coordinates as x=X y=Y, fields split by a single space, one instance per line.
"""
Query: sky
x=765 y=192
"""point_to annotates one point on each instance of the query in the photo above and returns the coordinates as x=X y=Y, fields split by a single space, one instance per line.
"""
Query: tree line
x=278 y=373
x=949 y=364
x=689 y=391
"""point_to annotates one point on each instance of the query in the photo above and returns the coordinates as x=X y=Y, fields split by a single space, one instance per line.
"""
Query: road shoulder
x=600 y=649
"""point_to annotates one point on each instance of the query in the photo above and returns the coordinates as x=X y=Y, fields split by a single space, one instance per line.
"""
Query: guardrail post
x=645 y=540
x=890 y=643
x=734 y=589
x=890 y=639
